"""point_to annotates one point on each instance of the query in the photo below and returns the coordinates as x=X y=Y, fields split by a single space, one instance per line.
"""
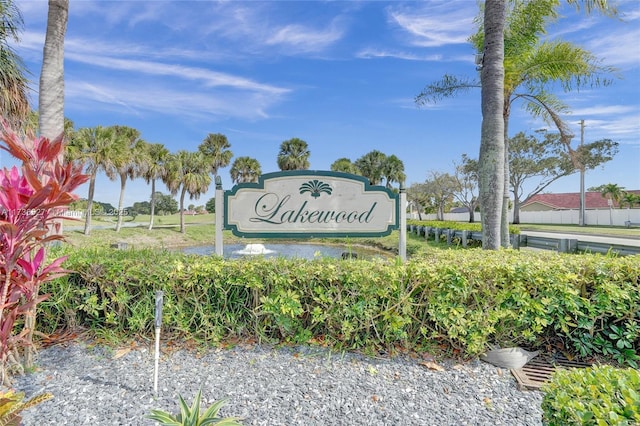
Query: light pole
x=582 y=201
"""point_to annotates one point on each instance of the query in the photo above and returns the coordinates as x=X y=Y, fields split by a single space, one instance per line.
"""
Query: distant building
x=568 y=201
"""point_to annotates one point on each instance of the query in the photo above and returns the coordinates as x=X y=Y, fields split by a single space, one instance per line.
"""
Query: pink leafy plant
x=33 y=199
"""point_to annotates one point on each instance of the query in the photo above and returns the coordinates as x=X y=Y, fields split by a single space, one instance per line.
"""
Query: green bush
x=457 y=300
x=459 y=226
x=592 y=396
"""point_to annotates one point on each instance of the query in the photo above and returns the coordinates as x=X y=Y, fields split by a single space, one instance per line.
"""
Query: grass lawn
x=613 y=231
x=200 y=230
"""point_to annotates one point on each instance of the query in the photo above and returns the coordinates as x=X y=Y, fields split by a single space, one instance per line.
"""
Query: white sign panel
x=310 y=203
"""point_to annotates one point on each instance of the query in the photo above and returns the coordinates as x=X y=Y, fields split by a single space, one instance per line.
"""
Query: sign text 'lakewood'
x=310 y=203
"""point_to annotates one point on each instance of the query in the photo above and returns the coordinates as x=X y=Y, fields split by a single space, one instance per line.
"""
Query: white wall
x=566 y=217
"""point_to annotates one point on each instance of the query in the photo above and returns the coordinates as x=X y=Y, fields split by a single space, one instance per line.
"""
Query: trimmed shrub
x=459 y=226
x=460 y=301
x=592 y=396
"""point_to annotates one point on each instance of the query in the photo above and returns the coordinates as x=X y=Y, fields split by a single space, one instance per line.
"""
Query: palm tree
x=533 y=66
x=345 y=165
x=31 y=125
x=294 y=155
x=371 y=166
x=393 y=170
x=51 y=106
x=187 y=172
x=629 y=199
x=130 y=165
x=51 y=96
x=156 y=169
x=215 y=148
x=613 y=193
x=14 y=102
x=245 y=169
x=525 y=64
x=492 y=147
x=100 y=150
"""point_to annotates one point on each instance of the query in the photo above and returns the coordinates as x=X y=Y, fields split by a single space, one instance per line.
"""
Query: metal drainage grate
x=539 y=370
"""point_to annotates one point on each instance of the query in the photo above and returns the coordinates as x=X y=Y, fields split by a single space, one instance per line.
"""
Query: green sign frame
x=345 y=194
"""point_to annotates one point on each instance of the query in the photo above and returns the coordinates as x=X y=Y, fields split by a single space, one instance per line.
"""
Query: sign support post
x=219 y=216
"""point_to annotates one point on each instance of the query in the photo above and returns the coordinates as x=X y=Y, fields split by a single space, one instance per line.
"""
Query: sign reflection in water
x=302 y=251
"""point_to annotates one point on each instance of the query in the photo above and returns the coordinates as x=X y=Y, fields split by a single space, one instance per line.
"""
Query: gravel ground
x=97 y=386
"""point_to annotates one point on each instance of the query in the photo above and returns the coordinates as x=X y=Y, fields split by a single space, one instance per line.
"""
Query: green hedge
x=592 y=396
x=458 y=226
x=459 y=300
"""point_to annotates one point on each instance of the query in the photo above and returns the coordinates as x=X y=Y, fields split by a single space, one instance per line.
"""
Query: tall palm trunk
x=51 y=116
x=153 y=203
x=182 y=194
x=491 y=159
x=51 y=96
x=92 y=190
x=504 y=219
x=123 y=184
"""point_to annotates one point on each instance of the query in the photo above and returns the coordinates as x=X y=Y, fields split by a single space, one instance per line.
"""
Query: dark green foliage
x=592 y=396
x=459 y=226
x=456 y=300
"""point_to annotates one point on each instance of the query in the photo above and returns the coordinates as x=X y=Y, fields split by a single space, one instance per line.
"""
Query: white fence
x=616 y=217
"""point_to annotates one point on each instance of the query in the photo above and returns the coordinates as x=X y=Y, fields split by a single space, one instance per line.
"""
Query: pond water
x=303 y=251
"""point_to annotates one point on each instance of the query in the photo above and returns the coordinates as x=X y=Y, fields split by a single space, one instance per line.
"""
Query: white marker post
x=402 y=249
x=158 y=324
x=219 y=215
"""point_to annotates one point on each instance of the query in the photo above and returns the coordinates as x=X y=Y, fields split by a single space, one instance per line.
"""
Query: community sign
x=306 y=203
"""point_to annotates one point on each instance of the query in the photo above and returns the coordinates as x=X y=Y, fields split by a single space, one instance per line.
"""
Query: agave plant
x=11 y=405
x=190 y=416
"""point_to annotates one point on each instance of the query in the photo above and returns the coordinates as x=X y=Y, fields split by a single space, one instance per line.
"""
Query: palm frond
x=448 y=87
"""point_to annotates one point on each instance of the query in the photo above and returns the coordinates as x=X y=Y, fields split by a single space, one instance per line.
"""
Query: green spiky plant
x=12 y=404
x=190 y=416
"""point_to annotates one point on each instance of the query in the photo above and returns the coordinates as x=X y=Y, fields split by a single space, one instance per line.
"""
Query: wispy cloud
x=267 y=29
x=114 y=13
x=436 y=24
x=619 y=49
x=621 y=129
x=208 y=77
x=131 y=98
x=604 y=110
x=370 y=53
x=618 y=122
x=633 y=14
x=301 y=38
x=106 y=95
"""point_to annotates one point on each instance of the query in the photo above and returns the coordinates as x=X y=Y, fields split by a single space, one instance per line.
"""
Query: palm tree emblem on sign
x=315 y=187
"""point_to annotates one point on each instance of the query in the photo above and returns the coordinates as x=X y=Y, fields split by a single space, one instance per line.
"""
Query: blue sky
x=341 y=75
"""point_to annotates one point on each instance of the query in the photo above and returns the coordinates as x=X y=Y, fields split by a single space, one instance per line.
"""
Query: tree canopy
x=14 y=100
x=245 y=169
x=294 y=155
x=517 y=65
